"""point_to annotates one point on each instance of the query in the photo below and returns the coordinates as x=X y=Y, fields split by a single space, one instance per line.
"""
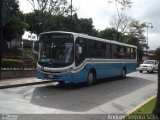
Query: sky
x=101 y=11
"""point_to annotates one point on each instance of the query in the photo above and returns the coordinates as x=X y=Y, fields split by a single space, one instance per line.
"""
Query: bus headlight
x=38 y=68
x=69 y=70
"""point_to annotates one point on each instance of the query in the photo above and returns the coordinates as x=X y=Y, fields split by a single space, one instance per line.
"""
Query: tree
x=53 y=7
x=137 y=30
x=121 y=22
x=156 y=110
x=48 y=14
x=59 y=22
x=110 y=34
x=135 y=36
x=13 y=21
x=86 y=25
x=34 y=21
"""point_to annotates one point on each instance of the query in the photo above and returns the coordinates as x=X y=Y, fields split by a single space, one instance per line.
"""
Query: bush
x=20 y=52
x=12 y=63
x=34 y=63
x=29 y=53
x=17 y=51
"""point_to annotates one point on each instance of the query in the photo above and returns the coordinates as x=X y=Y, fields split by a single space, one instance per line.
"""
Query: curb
x=5 y=85
x=140 y=105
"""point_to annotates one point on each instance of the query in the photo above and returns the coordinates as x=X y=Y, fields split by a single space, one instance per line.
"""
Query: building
x=149 y=55
x=28 y=40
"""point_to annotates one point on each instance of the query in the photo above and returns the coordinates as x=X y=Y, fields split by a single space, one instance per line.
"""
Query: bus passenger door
x=79 y=51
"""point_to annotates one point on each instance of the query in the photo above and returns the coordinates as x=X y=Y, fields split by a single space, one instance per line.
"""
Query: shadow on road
x=81 y=98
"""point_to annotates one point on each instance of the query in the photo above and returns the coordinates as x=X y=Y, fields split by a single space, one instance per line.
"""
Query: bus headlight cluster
x=69 y=70
x=38 y=68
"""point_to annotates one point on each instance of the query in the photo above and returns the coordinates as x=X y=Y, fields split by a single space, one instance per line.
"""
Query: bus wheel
x=123 y=73
x=91 y=78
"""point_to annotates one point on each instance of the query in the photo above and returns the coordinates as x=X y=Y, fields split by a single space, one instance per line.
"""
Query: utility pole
x=147 y=26
x=71 y=9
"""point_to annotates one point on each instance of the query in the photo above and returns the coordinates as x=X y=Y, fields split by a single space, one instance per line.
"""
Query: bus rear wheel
x=123 y=73
x=91 y=78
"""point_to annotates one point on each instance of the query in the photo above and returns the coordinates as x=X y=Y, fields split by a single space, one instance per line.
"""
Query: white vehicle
x=149 y=66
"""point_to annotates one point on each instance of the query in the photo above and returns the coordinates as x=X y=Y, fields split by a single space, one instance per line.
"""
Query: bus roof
x=91 y=37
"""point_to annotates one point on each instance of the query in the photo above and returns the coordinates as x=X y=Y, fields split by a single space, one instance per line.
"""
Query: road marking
x=140 y=105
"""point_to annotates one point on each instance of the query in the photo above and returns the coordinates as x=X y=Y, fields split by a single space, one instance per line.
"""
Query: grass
x=144 y=112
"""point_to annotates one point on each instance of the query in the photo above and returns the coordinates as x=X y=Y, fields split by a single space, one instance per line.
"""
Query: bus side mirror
x=79 y=50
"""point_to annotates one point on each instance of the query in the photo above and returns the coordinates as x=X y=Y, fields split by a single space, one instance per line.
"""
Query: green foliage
x=13 y=20
x=16 y=52
x=34 y=63
x=20 y=58
x=34 y=21
x=110 y=34
x=29 y=53
x=11 y=63
x=20 y=52
x=157 y=52
x=143 y=112
x=86 y=25
x=53 y=7
x=58 y=22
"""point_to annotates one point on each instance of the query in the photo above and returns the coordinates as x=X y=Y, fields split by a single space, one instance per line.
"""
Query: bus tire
x=140 y=71
x=91 y=78
x=123 y=73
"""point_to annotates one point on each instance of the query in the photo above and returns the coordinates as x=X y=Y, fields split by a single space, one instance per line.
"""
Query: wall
x=8 y=74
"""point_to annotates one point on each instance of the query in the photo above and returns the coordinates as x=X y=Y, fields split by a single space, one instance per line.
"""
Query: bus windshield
x=56 y=51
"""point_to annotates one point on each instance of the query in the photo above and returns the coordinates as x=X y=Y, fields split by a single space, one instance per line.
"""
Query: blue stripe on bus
x=102 y=71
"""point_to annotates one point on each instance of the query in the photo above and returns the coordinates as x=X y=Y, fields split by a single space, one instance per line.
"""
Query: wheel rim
x=90 y=78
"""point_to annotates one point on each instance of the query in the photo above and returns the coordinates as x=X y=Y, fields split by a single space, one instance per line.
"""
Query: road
x=110 y=96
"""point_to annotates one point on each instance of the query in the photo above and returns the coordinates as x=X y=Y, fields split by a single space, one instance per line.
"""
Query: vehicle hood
x=146 y=65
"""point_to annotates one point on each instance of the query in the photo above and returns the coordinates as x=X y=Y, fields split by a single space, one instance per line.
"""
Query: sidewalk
x=8 y=83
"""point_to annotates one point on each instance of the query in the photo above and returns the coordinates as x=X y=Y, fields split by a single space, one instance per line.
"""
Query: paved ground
x=107 y=97
x=9 y=83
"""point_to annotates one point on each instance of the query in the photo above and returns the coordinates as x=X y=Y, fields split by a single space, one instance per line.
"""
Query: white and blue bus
x=74 y=58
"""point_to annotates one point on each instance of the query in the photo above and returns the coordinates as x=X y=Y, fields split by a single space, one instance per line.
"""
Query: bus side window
x=125 y=52
x=108 y=51
x=91 y=47
x=100 y=49
x=114 y=52
x=134 y=53
x=121 y=52
x=128 y=53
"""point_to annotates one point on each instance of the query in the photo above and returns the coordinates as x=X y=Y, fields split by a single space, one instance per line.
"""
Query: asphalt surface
x=18 y=82
x=75 y=102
